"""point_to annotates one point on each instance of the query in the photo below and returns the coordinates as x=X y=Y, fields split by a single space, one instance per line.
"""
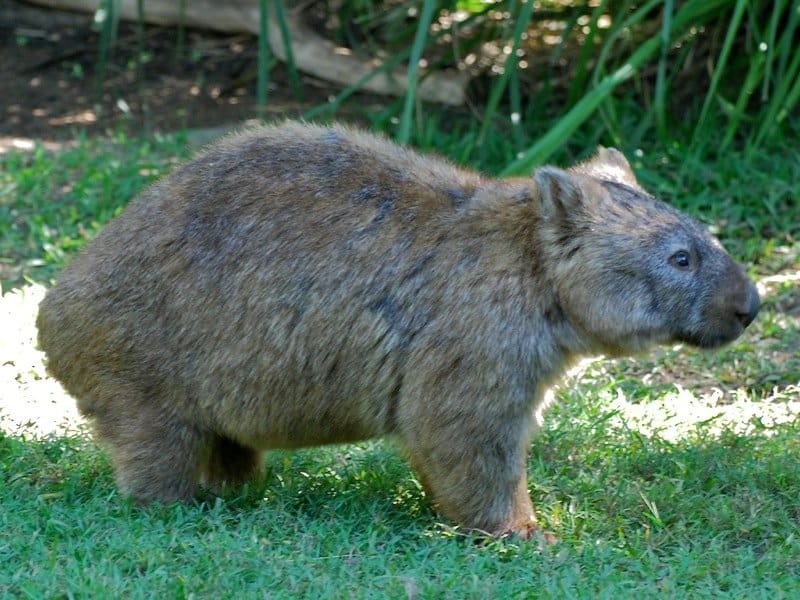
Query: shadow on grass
x=363 y=485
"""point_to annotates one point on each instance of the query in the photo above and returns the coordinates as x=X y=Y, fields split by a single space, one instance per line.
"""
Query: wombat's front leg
x=474 y=484
x=472 y=459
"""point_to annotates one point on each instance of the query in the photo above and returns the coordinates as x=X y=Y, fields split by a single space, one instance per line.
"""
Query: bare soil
x=52 y=89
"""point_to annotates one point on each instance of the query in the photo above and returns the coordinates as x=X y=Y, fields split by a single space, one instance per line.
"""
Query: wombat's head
x=631 y=271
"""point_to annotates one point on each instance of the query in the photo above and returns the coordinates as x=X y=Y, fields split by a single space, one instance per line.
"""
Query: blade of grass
x=578 y=83
x=777 y=11
x=791 y=99
x=784 y=97
x=787 y=44
x=294 y=77
x=404 y=132
x=754 y=75
x=140 y=60
x=661 y=74
x=781 y=106
x=511 y=63
x=107 y=18
x=607 y=109
x=263 y=59
x=515 y=99
x=719 y=70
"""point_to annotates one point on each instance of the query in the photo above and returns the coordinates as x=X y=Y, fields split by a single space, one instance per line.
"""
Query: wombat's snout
x=748 y=311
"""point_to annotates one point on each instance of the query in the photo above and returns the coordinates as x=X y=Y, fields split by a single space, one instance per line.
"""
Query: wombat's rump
x=299 y=285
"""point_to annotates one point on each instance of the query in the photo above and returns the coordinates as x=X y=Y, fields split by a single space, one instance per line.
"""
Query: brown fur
x=298 y=285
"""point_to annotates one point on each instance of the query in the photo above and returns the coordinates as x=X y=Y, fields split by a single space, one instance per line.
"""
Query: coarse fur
x=299 y=285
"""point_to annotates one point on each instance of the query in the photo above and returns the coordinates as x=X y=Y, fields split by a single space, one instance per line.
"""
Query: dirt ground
x=48 y=63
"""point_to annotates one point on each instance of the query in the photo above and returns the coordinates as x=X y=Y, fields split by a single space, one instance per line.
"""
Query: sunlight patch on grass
x=31 y=403
x=641 y=398
x=682 y=413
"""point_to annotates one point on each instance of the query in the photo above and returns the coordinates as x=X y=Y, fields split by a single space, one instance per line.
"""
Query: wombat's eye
x=680 y=259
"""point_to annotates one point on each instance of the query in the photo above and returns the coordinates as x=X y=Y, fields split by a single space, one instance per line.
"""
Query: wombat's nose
x=750 y=308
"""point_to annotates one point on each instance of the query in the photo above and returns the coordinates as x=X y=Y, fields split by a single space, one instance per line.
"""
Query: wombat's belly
x=288 y=416
x=275 y=378
x=304 y=422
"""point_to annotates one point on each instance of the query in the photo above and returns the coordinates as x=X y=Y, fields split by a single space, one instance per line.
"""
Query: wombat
x=299 y=285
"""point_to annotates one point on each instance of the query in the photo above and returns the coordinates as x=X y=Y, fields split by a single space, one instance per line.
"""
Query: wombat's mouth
x=712 y=340
x=723 y=331
x=709 y=340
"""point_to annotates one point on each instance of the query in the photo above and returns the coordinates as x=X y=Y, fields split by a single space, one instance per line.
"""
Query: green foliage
x=683 y=85
x=263 y=57
x=294 y=76
x=106 y=20
x=664 y=60
x=413 y=68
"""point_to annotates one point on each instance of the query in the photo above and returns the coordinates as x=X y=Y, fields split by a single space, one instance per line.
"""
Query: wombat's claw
x=545 y=538
x=526 y=533
x=534 y=533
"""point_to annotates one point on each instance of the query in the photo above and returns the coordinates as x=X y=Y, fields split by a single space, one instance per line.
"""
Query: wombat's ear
x=559 y=192
x=611 y=164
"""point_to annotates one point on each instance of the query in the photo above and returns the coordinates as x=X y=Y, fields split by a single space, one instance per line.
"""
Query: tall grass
x=413 y=69
x=263 y=57
x=106 y=20
x=294 y=76
x=692 y=68
x=667 y=54
x=510 y=72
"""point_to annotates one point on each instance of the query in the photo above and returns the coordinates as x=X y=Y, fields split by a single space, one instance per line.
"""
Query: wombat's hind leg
x=230 y=463
x=157 y=456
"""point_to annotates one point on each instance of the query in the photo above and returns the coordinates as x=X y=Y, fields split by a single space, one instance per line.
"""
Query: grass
x=735 y=62
x=673 y=474
x=699 y=517
x=53 y=203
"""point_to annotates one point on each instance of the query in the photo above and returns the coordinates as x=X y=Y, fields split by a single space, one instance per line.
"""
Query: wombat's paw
x=544 y=538
x=534 y=533
x=526 y=529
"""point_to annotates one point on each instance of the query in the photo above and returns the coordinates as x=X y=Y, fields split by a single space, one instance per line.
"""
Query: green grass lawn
x=675 y=474
x=635 y=515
